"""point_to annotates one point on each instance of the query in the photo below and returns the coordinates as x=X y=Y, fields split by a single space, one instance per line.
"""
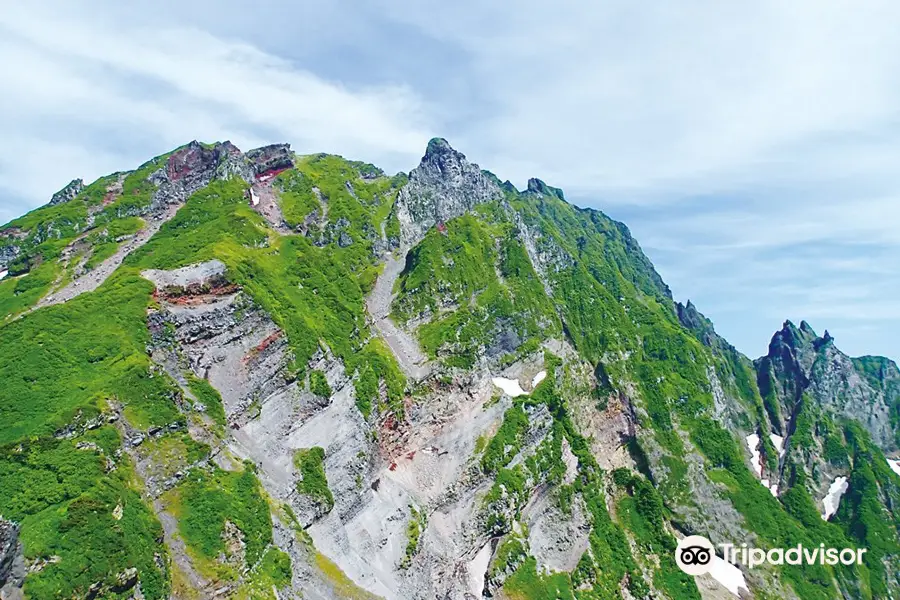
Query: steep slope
x=304 y=378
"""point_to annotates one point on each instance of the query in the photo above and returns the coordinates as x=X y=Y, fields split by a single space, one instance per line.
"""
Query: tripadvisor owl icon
x=694 y=555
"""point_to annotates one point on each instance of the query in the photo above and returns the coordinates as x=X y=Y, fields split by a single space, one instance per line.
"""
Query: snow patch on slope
x=778 y=442
x=538 y=378
x=894 y=465
x=728 y=575
x=753 y=444
x=477 y=570
x=833 y=497
x=509 y=386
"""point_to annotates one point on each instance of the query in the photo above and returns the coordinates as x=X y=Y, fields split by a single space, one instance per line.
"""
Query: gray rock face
x=837 y=385
x=444 y=185
x=271 y=158
x=193 y=167
x=866 y=389
x=537 y=186
x=8 y=254
x=9 y=551
x=72 y=189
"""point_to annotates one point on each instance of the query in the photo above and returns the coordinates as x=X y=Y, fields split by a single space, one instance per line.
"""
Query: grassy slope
x=73 y=358
x=612 y=305
x=315 y=294
x=480 y=268
x=68 y=362
x=49 y=229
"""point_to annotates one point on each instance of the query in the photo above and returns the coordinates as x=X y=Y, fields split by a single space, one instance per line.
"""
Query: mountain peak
x=537 y=186
x=444 y=185
x=72 y=189
x=438 y=146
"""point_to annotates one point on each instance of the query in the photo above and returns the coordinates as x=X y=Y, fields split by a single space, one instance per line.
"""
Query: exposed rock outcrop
x=268 y=159
x=800 y=362
x=193 y=167
x=72 y=189
x=444 y=185
x=12 y=564
x=8 y=253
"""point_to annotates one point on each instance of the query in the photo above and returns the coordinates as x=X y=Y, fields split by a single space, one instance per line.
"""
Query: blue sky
x=752 y=148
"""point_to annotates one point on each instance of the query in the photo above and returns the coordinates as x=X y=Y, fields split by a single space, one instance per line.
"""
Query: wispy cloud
x=92 y=95
x=751 y=148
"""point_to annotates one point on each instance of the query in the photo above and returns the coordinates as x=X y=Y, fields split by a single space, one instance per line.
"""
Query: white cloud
x=751 y=148
x=160 y=87
x=619 y=95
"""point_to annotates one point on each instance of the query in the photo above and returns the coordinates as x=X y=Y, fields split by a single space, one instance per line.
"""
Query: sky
x=753 y=149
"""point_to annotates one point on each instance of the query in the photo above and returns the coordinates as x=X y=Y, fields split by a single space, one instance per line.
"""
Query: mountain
x=254 y=374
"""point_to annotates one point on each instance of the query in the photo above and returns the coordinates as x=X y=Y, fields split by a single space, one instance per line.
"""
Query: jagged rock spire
x=72 y=189
x=444 y=185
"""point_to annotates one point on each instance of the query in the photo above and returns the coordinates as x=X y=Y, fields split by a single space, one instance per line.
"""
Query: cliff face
x=273 y=376
x=444 y=185
x=864 y=390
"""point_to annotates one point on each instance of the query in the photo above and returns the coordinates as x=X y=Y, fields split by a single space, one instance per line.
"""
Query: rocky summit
x=256 y=374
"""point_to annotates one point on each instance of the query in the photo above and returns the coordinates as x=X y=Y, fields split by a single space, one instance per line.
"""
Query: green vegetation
x=172 y=452
x=862 y=513
x=375 y=364
x=273 y=572
x=209 y=396
x=67 y=504
x=45 y=232
x=357 y=198
x=313 y=483
x=609 y=559
x=414 y=529
x=509 y=555
x=641 y=510
x=58 y=371
x=454 y=267
x=507 y=441
x=17 y=294
x=526 y=584
x=475 y=287
x=71 y=363
x=205 y=500
x=316 y=295
x=104 y=241
x=318 y=384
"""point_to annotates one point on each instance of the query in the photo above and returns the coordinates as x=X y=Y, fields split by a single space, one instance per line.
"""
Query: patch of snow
x=753 y=444
x=477 y=569
x=833 y=497
x=728 y=575
x=772 y=487
x=509 y=386
x=894 y=465
x=4 y=273
x=254 y=198
x=538 y=378
x=778 y=442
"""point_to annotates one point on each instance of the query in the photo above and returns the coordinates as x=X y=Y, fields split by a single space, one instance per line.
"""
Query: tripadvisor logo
x=695 y=555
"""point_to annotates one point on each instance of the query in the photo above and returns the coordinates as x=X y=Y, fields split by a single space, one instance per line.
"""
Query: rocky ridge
x=554 y=420
x=444 y=185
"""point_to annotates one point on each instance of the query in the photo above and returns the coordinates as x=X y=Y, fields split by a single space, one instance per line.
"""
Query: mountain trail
x=263 y=199
x=92 y=279
x=411 y=358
